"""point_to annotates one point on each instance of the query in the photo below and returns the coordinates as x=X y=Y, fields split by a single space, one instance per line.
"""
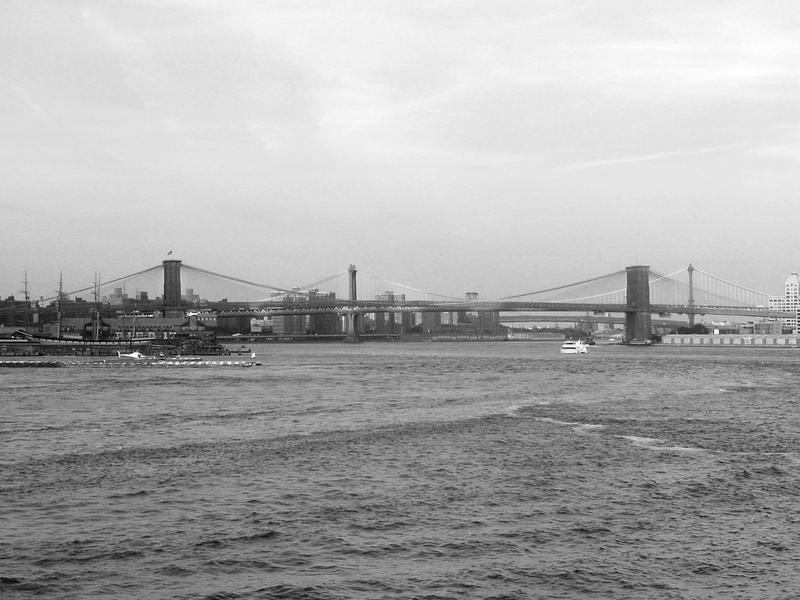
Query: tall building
x=117 y=298
x=308 y=324
x=291 y=324
x=792 y=297
x=325 y=323
x=789 y=302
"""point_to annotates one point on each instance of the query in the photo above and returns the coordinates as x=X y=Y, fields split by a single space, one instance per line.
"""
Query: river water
x=407 y=470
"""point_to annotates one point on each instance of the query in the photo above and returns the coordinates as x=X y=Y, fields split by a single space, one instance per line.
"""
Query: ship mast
x=27 y=299
x=96 y=314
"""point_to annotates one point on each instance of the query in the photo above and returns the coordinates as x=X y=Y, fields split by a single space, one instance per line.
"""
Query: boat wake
x=639 y=441
x=657 y=444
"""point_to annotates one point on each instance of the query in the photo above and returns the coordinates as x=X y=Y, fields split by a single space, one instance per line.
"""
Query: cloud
x=648 y=157
x=312 y=115
x=24 y=98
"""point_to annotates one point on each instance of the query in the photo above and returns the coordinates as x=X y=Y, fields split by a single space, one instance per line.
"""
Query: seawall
x=738 y=340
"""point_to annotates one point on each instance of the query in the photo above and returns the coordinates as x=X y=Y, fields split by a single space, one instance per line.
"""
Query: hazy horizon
x=452 y=146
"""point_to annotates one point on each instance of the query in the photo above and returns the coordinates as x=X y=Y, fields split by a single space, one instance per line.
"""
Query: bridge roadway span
x=638 y=309
x=371 y=306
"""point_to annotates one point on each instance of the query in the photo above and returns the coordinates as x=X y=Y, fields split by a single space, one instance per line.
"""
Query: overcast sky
x=493 y=146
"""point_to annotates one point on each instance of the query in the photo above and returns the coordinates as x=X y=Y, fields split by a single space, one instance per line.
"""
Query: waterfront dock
x=131 y=364
x=34 y=364
x=733 y=340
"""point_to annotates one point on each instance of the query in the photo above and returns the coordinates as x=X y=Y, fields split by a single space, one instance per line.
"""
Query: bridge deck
x=367 y=306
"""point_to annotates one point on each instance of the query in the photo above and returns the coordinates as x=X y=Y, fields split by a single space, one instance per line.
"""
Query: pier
x=732 y=340
x=129 y=364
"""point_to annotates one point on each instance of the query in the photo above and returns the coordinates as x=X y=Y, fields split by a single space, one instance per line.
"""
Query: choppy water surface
x=407 y=471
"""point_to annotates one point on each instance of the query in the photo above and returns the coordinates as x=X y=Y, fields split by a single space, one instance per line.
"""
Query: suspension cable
x=244 y=281
x=619 y=291
x=561 y=287
x=669 y=276
x=730 y=283
x=408 y=287
x=324 y=280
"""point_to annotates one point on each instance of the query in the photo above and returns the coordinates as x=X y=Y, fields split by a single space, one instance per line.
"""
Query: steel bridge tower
x=691 y=296
x=352 y=317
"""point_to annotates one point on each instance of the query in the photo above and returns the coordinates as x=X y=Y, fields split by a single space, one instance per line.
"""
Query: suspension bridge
x=636 y=292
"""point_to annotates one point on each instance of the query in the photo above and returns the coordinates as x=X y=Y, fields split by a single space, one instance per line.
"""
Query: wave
x=515 y=410
x=575 y=426
x=9 y=584
x=283 y=592
x=585 y=428
x=255 y=537
x=637 y=440
x=130 y=494
x=97 y=557
x=36 y=429
x=174 y=571
x=657 y=444
x=556 y=421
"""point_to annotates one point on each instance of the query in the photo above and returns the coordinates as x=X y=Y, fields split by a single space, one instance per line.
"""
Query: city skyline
x=452 y=145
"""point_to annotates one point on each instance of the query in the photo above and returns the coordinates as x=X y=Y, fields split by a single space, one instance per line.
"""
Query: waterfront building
x=391 y=322
x=432 y=323
x=116 y=298
x=324 y=323
x=14 y=313
x=289 y=324
x=478 y=322
x=260 y=326
x=310 y=324
x=789 y=302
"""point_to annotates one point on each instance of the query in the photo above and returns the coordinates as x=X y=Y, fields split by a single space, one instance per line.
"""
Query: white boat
x=573 y=347
x=136 y=355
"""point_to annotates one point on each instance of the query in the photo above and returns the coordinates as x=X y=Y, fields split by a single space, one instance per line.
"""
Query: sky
x=498 y=146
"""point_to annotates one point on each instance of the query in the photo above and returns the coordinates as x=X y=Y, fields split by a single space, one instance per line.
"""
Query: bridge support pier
x=352 y=324
x=638 y=318
x=352 y=319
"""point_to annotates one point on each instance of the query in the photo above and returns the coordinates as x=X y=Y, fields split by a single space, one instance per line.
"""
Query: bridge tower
x=638 y=319
x=172 y=288
x=352 y=318
x=691 y=296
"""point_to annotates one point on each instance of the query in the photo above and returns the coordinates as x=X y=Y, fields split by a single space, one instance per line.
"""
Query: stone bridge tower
x=638 y=318
x=172 y=288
